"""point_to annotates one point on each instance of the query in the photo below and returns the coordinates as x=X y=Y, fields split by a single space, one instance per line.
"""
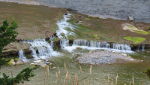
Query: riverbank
x=119 y=9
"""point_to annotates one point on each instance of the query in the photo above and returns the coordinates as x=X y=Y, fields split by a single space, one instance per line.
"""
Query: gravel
x=104 y=57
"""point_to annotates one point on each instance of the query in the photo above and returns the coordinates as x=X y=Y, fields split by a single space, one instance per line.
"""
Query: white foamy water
x=41 y=49
x=93 y=45
x=63 y=25
x=22 y=57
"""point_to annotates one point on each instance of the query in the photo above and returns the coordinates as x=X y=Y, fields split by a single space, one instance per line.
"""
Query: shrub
x=24 y=75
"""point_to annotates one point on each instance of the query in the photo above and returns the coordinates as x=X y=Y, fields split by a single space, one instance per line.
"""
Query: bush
x=24 y=75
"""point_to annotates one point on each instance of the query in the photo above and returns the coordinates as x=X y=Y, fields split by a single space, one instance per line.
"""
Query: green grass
x=135 y=40
x=59 y=61
x=84 y=32
x=141 y=55
x=142 y=32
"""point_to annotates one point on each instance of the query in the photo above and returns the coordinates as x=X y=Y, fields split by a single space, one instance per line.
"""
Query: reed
x=117 y=79
x=67 y=78
x=91 y=69
x=80 y=68
x=65 y=66
x=108 y=78
x=76 y=79
x=133 y=80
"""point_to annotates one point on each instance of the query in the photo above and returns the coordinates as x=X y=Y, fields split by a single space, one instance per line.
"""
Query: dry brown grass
x=34 y=21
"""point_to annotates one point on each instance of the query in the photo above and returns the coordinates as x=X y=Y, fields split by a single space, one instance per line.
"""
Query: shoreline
x=78 y=11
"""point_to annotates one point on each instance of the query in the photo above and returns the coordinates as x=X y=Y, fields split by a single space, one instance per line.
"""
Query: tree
x=7 y=34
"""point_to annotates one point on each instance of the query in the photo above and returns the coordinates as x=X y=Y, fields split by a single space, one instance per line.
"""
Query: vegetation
x=7 y=34
x=24 y=75
x=142 y=32
x=135 y=40
x=147 y=72
x=83 y=31
x=3 y=61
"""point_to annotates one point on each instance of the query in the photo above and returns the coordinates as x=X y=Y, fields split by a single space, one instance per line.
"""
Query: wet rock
x=13 y=48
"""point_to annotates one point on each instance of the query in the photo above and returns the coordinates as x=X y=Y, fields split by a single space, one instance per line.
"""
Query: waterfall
x=62 y=34
x=143 y=47
x=63 y=25
x=64 y=43
x=34 y=54
x=22 y=56
x=80 y=42
x=42 y=49
x=93 y=45
x=122 y=47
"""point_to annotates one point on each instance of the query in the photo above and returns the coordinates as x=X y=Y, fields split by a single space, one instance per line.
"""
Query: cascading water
x=22 y=56
x=93 y=45
x=62 y=34
x=143 y=47
x=80 y=42
x=42 y=49
x=63 y=25
x=64 y=43
x=122 y=48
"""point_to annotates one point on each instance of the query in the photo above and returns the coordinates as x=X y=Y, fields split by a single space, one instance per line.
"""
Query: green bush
x=24 y=75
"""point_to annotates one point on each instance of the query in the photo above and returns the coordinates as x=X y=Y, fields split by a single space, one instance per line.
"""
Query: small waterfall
x=42 y=49
x=143 y=47
x=22 y=56
x=93 y=45
x=87 y=43
x=64 y=43
x=63 y=25
x=122 y=47
x=34 y=54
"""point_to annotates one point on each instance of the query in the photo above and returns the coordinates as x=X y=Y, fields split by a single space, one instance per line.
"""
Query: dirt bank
x=34 y=21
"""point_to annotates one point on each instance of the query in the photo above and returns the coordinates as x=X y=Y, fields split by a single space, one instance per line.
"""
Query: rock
x=19 y=62
x=42 y=63
x=130 y=18
x=13 y=48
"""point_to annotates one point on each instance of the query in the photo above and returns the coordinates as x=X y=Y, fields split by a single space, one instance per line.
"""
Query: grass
x=135 y=40
x=34 y=21
x=84 y=32
x=142 y=32
x=91 y=28
x=68 y=72
x=141 y=55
